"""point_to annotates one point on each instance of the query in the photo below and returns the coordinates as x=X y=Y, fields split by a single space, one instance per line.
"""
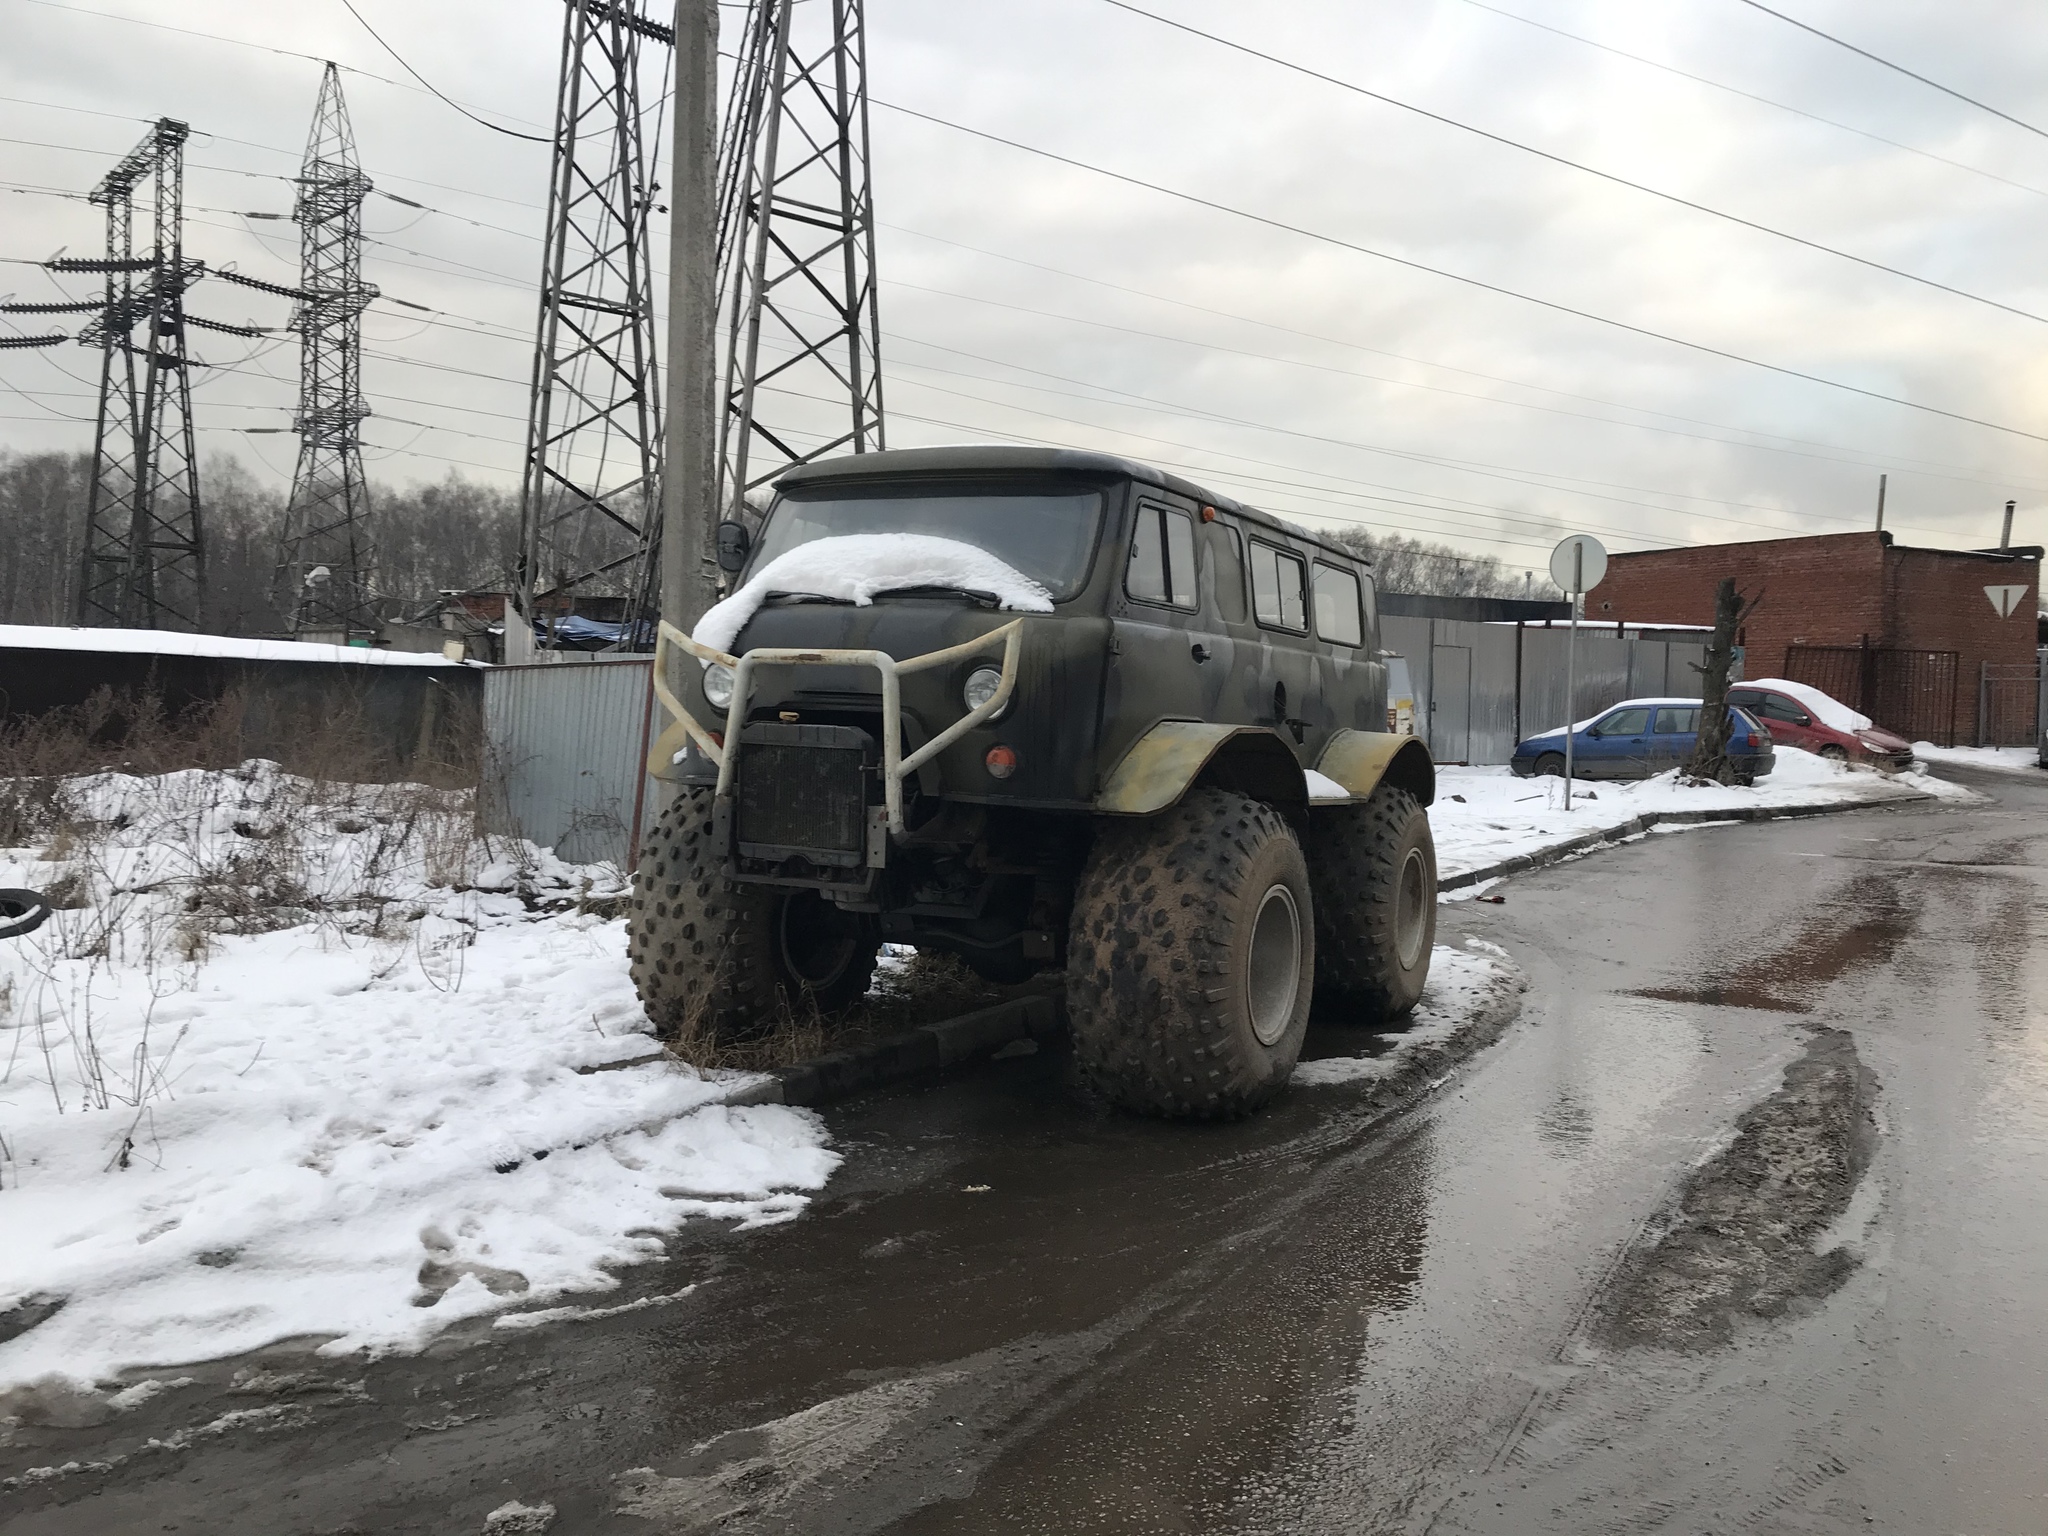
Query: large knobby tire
x=722 y=959
x=1191 y=959
x=1374 y=877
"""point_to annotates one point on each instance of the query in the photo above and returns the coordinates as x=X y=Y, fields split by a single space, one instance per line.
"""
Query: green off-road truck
x=1040 y=709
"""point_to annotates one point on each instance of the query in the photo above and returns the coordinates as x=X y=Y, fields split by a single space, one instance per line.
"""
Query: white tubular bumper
x=895 y=766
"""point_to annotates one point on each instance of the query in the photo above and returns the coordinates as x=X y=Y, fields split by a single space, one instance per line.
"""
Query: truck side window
x=1339 y=615
x=1229 y=547
x=1162 y=568
x=1279 y=588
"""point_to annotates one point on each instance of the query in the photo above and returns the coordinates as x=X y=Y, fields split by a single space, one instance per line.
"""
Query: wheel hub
x=1273 y=967
x=1411 y=909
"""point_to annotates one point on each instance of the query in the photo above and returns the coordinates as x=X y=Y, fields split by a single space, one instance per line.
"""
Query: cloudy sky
x=1026 y=298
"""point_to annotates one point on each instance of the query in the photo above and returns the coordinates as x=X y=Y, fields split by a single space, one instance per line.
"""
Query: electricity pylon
x=144 y=561
x=590 y=501
x=796 y=236
x=327 y=572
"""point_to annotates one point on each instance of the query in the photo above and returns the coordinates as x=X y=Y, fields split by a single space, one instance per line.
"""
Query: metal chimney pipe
x=2005 y=533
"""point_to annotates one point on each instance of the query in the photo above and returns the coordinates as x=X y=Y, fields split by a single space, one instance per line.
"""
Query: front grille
x=803 y=793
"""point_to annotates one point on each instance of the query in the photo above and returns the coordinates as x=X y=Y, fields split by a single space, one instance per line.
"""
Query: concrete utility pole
x=689 y=490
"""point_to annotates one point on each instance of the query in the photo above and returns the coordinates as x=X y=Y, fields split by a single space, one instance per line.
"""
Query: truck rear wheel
x=713 y=956
x=1191 y=959
x=1374 y=875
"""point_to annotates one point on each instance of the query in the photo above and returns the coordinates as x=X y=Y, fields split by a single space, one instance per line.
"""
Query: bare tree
x=1437 y=570
x=1710 y=747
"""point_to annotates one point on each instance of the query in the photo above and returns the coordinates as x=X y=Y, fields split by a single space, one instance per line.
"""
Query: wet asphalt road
x=1328 y=1318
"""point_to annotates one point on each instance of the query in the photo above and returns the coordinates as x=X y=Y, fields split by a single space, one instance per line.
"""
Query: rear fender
x=1162 y=764
x=1362 y=760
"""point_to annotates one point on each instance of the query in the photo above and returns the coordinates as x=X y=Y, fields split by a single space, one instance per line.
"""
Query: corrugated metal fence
x=565 y=747
x=1480 y=688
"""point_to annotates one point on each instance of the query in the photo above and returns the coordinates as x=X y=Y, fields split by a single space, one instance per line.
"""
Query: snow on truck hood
x=857 y=567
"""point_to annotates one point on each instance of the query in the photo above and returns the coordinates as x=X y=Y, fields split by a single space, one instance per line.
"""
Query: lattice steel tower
x=144 y=561
x=327 y=573
x=590 y=504
x=797 y=235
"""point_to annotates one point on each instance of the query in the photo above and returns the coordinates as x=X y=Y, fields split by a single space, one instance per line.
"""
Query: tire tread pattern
x=1353 y=869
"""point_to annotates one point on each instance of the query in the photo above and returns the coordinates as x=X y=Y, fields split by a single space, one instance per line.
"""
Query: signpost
x=1576 y=564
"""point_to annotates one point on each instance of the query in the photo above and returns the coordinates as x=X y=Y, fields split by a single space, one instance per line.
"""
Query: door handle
x=1199 y=651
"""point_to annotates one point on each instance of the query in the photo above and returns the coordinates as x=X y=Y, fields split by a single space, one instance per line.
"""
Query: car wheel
x=1373 y=871
x=1191 y=959
x=1550 y=765
x=1835 y=753
x=720 y=960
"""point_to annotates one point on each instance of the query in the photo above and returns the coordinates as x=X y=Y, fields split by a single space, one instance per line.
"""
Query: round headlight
x=718 y=684
x=982 y=684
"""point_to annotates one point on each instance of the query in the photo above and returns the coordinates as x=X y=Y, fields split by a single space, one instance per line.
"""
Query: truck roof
x=998 y=458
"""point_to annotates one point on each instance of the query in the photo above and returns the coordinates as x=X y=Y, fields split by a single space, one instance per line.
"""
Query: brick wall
x=1835 y=589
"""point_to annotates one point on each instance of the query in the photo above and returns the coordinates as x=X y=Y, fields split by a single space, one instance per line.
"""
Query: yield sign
x=2005 y=599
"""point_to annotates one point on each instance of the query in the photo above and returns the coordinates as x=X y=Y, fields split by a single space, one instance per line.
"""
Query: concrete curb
x=928 y=1048
x=1635 y=825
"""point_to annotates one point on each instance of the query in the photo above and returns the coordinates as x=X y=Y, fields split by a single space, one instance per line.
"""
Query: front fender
x=1166 y=760
x=1362 y=760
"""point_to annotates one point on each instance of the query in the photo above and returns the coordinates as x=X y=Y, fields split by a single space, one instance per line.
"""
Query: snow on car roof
x=1824 y=707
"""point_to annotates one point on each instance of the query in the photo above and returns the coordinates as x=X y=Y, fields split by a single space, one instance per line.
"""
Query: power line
x=1576 y=165
x=1456 y=277
x=1897 y=68
x=1732 y=90
x=510 y=133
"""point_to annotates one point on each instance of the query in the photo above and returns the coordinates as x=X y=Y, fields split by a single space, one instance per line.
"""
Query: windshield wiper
x=986 y=599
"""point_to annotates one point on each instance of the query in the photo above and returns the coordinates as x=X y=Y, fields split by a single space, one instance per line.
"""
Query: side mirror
x=734 y=545
x=1593 y=731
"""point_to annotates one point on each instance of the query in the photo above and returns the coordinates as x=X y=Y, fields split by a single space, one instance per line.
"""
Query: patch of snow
x=2004 y=759
x=1502 y=816
x=1825 y=708
x=857 y=567
x=1321 y=787
x=417 y=1088
x=1460 y=982
x=164 y=642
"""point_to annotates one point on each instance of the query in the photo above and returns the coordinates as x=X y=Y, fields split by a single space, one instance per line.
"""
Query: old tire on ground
x=724 y=959
x=1374 y=878
x=1191 y=959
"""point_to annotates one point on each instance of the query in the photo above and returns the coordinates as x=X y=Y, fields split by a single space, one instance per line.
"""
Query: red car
x=1799 y=715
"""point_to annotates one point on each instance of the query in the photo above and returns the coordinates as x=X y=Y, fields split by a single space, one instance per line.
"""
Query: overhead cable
x=510 y=133
x=1457 y=277
x=1577 y=165
x=1945 y=90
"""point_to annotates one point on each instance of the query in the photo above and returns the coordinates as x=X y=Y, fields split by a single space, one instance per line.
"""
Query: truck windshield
x=1048 y=535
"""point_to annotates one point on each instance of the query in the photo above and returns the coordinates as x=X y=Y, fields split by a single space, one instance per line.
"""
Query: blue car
x=1639 y=738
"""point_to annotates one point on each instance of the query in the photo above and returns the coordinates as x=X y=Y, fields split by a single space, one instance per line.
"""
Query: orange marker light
x=1001 y=762
x=1208 y=514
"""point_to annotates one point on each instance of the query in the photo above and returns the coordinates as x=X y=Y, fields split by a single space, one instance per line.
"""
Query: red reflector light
x=1750 y=739
x=1000 y=762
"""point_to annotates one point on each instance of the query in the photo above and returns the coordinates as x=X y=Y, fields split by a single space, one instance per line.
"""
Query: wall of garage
x=1480 y=688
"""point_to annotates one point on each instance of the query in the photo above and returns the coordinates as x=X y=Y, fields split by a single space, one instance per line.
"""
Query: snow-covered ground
x=1462 y=983
x=327 y=1064
x=2005 y=759
x=1485 y=815
x=316 y=1060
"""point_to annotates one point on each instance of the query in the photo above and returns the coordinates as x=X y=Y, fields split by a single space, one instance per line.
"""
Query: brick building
x=1909 y=636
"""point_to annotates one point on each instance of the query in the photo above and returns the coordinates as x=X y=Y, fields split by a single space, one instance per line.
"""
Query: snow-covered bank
x=1485 y=815
x=1464 y=985
x=327 y=1064
x=2004 y=759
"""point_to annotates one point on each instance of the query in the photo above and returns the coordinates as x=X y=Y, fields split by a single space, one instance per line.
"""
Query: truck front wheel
x=1375 y=885
x=713 y=957
x=1191 y=959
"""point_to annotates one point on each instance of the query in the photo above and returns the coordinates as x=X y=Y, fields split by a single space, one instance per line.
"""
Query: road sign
x=1578 y=563
x=2005 y=599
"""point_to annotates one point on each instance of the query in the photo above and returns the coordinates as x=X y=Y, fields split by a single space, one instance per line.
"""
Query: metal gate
x=1450 y=703
x=2007 y=701
x=1911 y=692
